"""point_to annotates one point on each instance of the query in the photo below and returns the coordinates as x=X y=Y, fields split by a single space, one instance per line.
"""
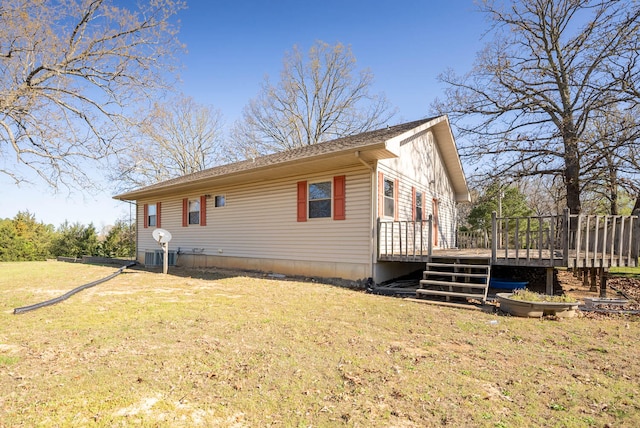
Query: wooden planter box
x=524 y=308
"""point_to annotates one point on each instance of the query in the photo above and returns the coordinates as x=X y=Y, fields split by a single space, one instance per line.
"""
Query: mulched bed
x=626 y=286
x=617 y=288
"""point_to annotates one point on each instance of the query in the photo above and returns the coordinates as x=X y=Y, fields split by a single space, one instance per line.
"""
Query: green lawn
x=217 y=349
x=635 y=271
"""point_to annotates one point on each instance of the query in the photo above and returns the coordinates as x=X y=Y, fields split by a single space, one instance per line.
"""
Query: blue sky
x=232 y=45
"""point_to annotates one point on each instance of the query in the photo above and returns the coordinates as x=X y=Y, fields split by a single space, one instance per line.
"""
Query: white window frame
x=330 y=199
x=152 y=208
x=419 y=206
x=217 y=198
x=193 y=202
x=391 y=199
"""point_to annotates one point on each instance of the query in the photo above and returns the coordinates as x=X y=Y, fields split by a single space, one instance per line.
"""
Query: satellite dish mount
x=163 y=237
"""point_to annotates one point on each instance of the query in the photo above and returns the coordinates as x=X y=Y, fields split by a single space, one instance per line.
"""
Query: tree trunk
x=572 y=173
x=636 y=206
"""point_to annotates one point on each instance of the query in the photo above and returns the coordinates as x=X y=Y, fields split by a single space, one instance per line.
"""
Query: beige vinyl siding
x=420 y=165
x=260 y=221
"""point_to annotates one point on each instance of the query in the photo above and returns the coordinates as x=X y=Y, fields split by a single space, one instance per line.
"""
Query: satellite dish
x=162 y=236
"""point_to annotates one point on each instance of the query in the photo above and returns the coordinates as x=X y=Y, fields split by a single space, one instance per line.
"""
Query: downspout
x=373 y=209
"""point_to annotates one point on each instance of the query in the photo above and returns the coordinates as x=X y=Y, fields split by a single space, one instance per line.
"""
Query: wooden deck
x=576 y=241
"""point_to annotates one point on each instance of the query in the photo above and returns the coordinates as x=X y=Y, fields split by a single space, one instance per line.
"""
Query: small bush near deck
x=530 y=296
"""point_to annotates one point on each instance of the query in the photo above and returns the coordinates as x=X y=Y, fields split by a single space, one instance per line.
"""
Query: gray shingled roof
x=334 y=146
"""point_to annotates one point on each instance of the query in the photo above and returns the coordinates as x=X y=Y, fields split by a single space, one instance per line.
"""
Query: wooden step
x=442 y=279
x=452 y=284
x=422 y=291
x=459 y=274
x=457 y=266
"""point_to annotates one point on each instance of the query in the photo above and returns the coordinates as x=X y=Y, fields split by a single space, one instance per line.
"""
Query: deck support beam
x=550 y=281
x=603 y=283
x=594 y=286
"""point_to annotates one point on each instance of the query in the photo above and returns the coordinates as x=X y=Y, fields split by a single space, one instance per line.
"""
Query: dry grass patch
x=221 y=349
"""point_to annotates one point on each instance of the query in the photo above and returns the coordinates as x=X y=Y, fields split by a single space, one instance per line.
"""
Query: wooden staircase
x=455 y=280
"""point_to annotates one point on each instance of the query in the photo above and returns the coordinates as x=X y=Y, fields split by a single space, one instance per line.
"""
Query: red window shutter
x=302 y=201
x=380 y=195
x=396 y=191
x=185 y=212
x=203 y=210
x=339 y=200
x=413 y=203
x=145 y=214
x=158 y=224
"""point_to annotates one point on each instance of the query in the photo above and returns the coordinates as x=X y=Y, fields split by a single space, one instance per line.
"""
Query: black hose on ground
x=68 y=294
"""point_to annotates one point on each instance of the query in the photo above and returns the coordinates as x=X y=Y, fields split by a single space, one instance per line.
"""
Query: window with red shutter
x=390 y=198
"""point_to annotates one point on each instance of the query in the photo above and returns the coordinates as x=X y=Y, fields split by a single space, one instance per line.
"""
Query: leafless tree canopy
x=178 y=137
x=319 y=97
x=70 y=71
x=550 y=69
x=611 y=161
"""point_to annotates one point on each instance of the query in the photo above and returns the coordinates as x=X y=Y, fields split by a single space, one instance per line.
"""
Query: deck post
x=630 y=248
x=393 y=238
x=595 y=242
x=565 y=237
x=612 y=251
x=603 y=283
x=494 y=237
x=593 y=275
x=586 y=240
x=430 y=236
x=379 y=235
x=550 y=281
x=604 y=239
x=621 y=243
x=578 y=238
x=421 y=239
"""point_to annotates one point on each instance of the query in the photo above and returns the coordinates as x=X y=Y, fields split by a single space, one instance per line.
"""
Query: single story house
x=310 y=211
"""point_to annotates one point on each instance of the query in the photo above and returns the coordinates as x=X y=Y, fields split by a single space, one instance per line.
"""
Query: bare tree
x=70 y=71
x=318 y=98
x=178 y=137
x=552 y=66
x=545 y=195
x=610 y=163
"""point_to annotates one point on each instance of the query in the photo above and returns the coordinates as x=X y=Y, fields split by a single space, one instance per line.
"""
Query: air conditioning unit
x=154 y=258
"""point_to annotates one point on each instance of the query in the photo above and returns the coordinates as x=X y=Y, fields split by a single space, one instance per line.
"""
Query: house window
x=220 y=201
x=320 y=199
x=389 y=198
x=194 y=212
x=419 y=216
x=152 y=215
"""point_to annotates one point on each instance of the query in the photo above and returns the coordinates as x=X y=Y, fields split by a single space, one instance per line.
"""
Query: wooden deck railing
x=569 y=240
x=603 y=241
x=405 y=240
x=535 y=240
x=472 y=239
x=557 y=240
